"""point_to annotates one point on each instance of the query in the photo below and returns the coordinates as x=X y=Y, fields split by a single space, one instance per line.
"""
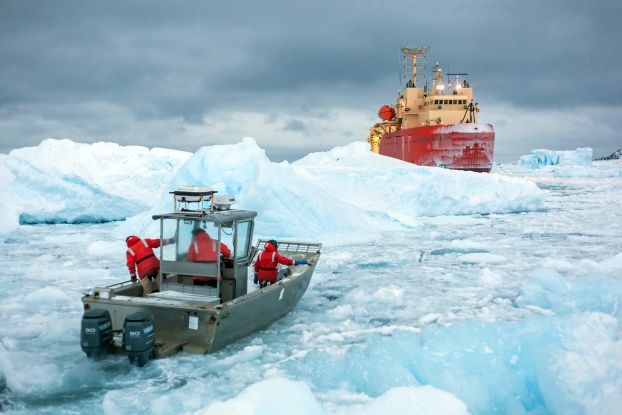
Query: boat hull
x=458 y=146
x=215 y=326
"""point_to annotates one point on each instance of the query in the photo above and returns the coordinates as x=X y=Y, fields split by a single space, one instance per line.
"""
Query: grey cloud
x=75 y=64
x=295 y=126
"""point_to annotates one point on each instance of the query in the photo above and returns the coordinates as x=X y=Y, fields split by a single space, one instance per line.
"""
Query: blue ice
x=534 y=365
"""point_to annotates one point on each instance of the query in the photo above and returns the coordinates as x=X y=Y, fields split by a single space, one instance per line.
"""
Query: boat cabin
x=205 y=245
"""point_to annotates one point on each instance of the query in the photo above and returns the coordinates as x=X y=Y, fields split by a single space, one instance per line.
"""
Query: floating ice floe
x=296 y=397
x=541 y=158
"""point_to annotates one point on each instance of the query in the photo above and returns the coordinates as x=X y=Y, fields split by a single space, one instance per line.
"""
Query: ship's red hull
x=459 y=146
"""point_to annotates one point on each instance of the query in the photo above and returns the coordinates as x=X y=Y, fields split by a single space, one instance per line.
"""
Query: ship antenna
x=413 y=52
x=399 y=71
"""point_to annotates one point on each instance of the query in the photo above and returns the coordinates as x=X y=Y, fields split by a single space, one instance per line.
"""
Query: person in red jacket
x=142 y=261
x=205 y=249
x=267 y=261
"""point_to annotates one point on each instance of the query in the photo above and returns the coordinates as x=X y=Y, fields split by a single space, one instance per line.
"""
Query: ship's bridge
x=446 y=102
x=418 y=107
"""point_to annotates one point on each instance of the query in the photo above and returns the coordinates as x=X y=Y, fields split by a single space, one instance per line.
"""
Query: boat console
x=198 y=210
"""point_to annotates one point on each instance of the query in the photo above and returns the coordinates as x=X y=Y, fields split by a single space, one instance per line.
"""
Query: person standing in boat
x=205 y=249
x=142 y=261
x=266 y=271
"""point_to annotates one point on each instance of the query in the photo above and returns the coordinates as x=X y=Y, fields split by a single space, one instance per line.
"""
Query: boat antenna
x=413 y=53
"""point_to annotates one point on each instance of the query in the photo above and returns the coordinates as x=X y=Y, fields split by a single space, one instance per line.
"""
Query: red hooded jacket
x=204 y=248
x=140 y=256
x=266 y=264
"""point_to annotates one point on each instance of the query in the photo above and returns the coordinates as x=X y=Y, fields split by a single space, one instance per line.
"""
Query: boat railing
x=120 y=284
x=289 y=247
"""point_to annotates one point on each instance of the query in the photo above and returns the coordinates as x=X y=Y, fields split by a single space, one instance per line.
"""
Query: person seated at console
x=205 y=249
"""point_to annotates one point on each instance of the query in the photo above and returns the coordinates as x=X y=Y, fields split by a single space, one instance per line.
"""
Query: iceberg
x=342 y=193
x=404 y=191
x=541 y=158
x=346 y=192
x=61 y=181
x=288 y=206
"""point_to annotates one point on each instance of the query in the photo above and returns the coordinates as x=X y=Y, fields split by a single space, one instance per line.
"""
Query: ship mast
x=421 y=50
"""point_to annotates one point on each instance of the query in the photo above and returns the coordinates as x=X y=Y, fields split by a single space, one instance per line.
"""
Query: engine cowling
x=96 y=332
x=138 y=338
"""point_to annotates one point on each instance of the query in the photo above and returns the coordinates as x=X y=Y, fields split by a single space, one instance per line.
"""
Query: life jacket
x=205 y=249
x=267 y=262
x=140 y=257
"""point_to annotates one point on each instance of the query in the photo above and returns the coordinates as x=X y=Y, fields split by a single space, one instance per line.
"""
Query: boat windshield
x=180 y=235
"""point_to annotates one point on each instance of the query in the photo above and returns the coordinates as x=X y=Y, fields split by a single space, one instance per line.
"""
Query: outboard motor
x=138 y=338
x=96 y=332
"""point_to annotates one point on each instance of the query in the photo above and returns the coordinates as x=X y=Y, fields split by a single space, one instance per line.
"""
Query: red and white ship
x=434 y=126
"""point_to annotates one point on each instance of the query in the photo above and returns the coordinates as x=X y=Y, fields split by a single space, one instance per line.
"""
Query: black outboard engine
x=138 y=338
x=96 y=333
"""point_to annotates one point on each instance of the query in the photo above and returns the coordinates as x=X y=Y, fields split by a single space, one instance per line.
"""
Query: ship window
x=446 y=102
x=464 y=102
x=455 y=101
x=436 y=102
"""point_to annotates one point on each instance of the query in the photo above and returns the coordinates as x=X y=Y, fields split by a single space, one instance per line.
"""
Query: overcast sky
x=302 y=76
